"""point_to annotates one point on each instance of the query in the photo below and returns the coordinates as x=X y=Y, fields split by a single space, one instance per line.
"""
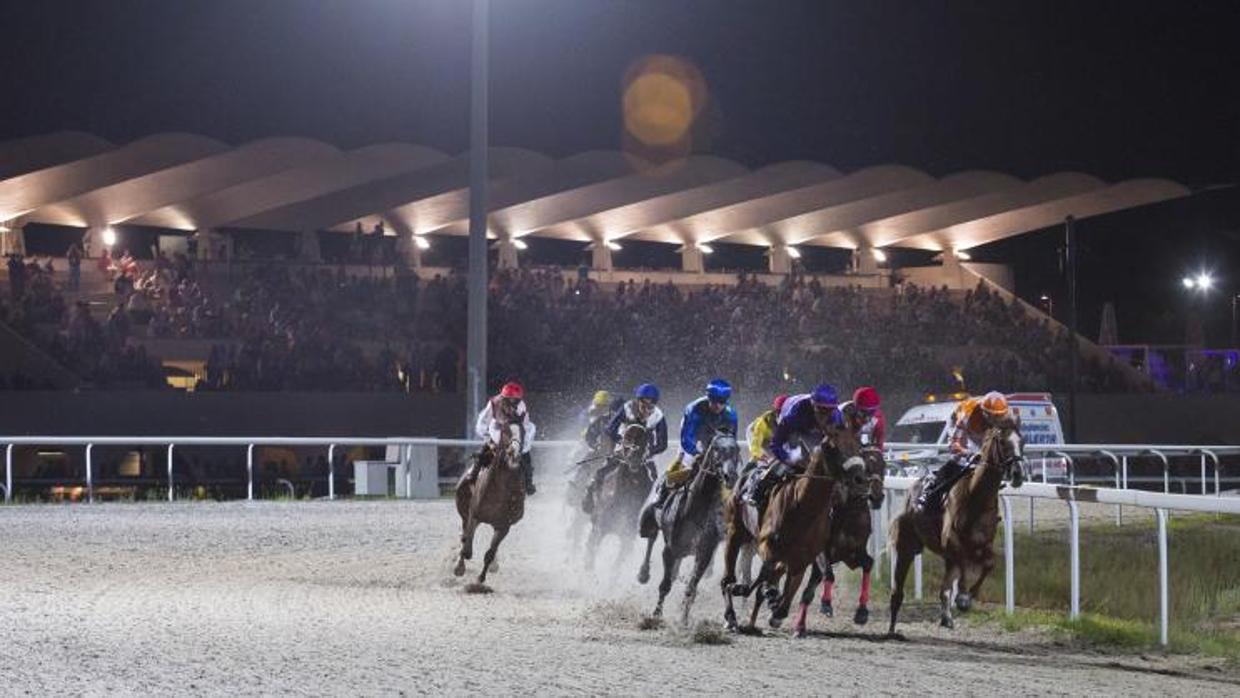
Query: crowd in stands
x=283 y=326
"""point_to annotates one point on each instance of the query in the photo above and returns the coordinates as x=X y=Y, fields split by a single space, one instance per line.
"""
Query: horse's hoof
x=827 y=609
x=643 y=575
x=964 y=602
x=732 y=627
x=467 y=553
x=947 y=622
x=800 y=632
x=459 y=570
x=775 y=622
x=862 y=616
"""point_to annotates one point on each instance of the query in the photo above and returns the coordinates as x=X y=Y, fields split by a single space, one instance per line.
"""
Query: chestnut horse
x=851 y=527
x=962 y=532
x=792 y=532
x=497 y=498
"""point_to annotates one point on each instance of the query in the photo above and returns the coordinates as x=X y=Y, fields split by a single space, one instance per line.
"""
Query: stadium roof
x=189 y=182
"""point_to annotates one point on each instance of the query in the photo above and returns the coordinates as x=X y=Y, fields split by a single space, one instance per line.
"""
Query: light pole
x=476 y=329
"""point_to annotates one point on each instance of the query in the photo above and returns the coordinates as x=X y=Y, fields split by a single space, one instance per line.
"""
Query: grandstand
x=348 y=303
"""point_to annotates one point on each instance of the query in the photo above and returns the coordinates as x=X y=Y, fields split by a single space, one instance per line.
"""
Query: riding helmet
x=778 y=403
x=824 y=396
x=512 y=390
x=995 y=405
x=866 y=399
x=648 y=391
x=718 y=390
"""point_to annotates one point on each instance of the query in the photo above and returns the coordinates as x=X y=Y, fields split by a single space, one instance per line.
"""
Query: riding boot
x=938 y=483
x=527 y=469
x=648 y=526
x=476 y=464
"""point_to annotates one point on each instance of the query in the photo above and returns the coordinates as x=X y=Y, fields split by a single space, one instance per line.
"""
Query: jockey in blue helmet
x=802 y=423
x=643 y=409
x=703 y=419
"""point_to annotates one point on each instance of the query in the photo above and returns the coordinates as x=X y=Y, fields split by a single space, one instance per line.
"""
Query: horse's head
x=634 y=441
x=722 y=457
x=875 y=476
x=838 y=452
x=510 y=445
x=1004 y=448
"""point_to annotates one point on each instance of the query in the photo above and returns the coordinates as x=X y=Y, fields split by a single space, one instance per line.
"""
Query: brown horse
x=497 y=498
x=963 y=531
x=793 y=531
x=851 y=526
x=618 y=501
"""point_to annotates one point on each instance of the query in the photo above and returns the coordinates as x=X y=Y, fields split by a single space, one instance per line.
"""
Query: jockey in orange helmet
x=501 y=411
x=970 y=421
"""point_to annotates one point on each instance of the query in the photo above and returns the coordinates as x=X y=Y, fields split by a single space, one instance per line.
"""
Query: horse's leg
x=960 y=593
x=764 y=572
x=986 y=566
x=489 y=557
x=671 y=565
x=905 y=547
x=701 y=562
x=807 y=597
x=828 y=591
x=746 y=564
x=730 y=550
x=592 y=541
x=792 y=584
x=467 y=544
x=862 y=616
x=643 y=574
x=951 y=576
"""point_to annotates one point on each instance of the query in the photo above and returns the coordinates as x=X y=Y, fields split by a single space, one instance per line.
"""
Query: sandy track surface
x=322 y=598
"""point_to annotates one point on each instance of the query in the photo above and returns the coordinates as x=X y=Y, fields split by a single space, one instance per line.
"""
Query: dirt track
x=357 y=598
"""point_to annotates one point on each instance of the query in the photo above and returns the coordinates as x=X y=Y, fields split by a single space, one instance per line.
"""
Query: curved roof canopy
x=189 y=182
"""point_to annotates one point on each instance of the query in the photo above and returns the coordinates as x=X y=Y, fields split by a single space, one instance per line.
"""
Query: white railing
x=89 y=442
x=1072 y=496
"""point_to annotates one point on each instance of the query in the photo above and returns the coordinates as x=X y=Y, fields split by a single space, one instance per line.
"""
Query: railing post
x=8 y=474
x=90 y=480
x=1163 y=599
x=1203 y=473
x=331 y=471
x=1074 y=532
x=1009 y=558
x=1214 y=457
x=1124 y=462
x=1119 y=508
x=170 y=495
x=1166 y=469
x=249 y=473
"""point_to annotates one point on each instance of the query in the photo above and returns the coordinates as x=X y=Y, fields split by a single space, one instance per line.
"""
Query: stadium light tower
x=476 y=328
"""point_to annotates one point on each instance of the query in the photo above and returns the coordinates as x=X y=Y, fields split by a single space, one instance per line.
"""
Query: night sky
x=1114 y=89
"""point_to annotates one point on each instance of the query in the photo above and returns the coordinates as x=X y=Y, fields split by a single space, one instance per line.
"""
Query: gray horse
x=692 y=521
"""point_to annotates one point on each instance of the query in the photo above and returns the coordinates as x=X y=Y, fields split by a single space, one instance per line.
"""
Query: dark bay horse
x=618 y=501
x=691 y=521
x=497 y=498
x=792 y=532
x=963 y=531
x=860 y=493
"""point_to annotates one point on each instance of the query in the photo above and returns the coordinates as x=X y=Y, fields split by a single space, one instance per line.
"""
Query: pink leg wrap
x=865 y=588
x=827 y=587
x=801 y=617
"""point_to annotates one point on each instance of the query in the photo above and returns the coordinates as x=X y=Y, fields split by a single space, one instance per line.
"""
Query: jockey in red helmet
x=501 y=411
x=863 y=415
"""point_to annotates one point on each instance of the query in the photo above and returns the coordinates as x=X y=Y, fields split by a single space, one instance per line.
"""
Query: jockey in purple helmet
x=802 y=423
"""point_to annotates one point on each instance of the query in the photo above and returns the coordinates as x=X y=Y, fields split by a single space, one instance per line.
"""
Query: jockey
x=803 y=421
x=643 y=409
x=501 y=411
x=760 y=430
x=703 y=419
x=971 y=419
x=598 y=416
x=863 y=416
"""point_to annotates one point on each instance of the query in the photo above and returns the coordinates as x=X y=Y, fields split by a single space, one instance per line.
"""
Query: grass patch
x=1119 y=584
x=709 y=632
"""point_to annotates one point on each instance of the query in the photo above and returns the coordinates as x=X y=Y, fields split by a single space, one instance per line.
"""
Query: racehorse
x=793 y=529
x=497 y=498
x=962 y=532
x=618 y=501
x=691 y=522
x=851 y=526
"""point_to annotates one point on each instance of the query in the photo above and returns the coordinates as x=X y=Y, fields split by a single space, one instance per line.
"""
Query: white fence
x=1118 y=454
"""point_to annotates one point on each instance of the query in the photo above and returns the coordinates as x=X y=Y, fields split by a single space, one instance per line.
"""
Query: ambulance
x=928 y=423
